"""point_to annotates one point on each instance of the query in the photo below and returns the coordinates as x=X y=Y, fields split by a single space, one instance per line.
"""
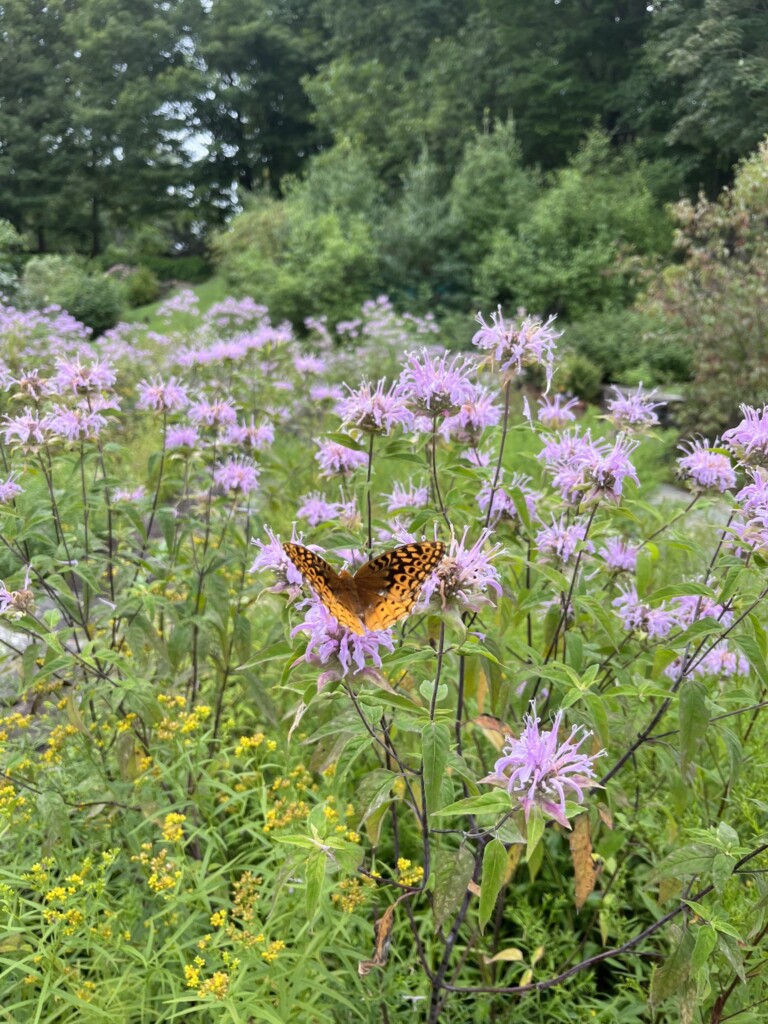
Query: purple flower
x=561 y=540
x=720 y=662
x=335 y=458
x=74 y=424
x=239 y=474
x=619 y=555
x=339 y=648
x=604 y=474
x=463 y=577
x=73 y=376
x=633 y=412
x=555 y=412
x=749 y=439
x=130 y=496
x=252 y=435
x=512 y=347
x=690 y=607
x=184 y=301
x=31 y=384
x=217 y=413
x=182 y=437
x=315 y=509
x=375 y=411
x=309 y=364
x=412 y=496
x=477 y=458
x=755 y=495
x=26 y=428
x=9 y=489
x=706 y=470
x=641 y=618
x=468 y=424
x=438 y=385
x=168 y=396
x=503 y=504
x=272 y=557
x=325 y=393
x=536 y=770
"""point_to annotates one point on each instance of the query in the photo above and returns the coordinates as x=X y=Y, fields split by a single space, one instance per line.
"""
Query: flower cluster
x=537 y=770
x=512 y=347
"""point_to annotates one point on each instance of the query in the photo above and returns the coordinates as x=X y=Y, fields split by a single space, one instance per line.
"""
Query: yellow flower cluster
x=180 y=722
x=248 y=743
x=163 y=870
x=172 y=827
x=12 y=804
x=13 y=722
x=353 y=893
x=57 y=737
x=409 y=875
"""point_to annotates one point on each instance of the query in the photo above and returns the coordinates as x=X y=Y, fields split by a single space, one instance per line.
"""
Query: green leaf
x=535 y=831
x=494 y=872
x=315 y=875
x=436 y=741
x=706 y=940
x=694 y=720
x=496 y=802
x=751 y=649
x=242 y=638
x=673 y=974
x=453 y=874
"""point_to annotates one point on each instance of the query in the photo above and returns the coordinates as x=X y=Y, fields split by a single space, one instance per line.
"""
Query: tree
x=251 y=107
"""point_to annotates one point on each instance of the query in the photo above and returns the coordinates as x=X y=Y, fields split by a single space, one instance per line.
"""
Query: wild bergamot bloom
x=514 y=346
x=706 y=470
x=537 y=770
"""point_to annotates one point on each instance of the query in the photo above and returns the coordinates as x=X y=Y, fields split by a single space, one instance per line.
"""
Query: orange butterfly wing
x=380 y=593
x=389 y=585
x=332 y=589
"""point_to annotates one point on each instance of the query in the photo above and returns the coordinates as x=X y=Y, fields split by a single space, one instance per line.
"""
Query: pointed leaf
x=494 y=871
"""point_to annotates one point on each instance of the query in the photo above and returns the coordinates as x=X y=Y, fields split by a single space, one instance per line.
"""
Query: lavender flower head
x=239 y=474
x=619 y=555
x=706 y=470
x=272 y=558
x=503 y=503
x=463 y=578
x=536 y=769
x=634 y=412
x=637 y=617
x=436 y=386
x=468 y=424
x=9 y=489
x=561 y=540
x=162 y=396
x=336 y=459
x=412 y=496
x=183 y=436
x=374 y=410
x=604 y=474
x=749 y=439
x=72 y=375
x=316 y=509
x=556 y=412
x=512 y=347
x=339 y=648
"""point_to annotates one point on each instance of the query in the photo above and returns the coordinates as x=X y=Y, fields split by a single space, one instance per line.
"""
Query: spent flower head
x=539 y=771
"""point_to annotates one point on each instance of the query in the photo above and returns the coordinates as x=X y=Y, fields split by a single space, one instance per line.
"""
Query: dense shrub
x=296 y=261
x=716 y=300
x=141 y=287
x=91 y=297
x=581 y=247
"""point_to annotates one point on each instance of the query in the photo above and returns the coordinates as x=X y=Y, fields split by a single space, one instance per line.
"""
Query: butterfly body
x=380 y=593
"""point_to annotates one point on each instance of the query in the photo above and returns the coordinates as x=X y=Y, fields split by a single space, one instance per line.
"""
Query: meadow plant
x=540 y=793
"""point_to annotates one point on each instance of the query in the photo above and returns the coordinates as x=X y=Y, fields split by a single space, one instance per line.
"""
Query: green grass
x=210 y=291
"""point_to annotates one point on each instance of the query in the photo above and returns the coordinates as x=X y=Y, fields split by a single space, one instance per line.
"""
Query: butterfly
x=380 y=593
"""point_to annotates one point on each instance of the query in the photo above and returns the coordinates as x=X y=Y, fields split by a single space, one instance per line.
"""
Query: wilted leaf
x=585 y=869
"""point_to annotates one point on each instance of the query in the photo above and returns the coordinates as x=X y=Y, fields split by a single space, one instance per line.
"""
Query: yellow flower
x=219 y=918
x=172 y=830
